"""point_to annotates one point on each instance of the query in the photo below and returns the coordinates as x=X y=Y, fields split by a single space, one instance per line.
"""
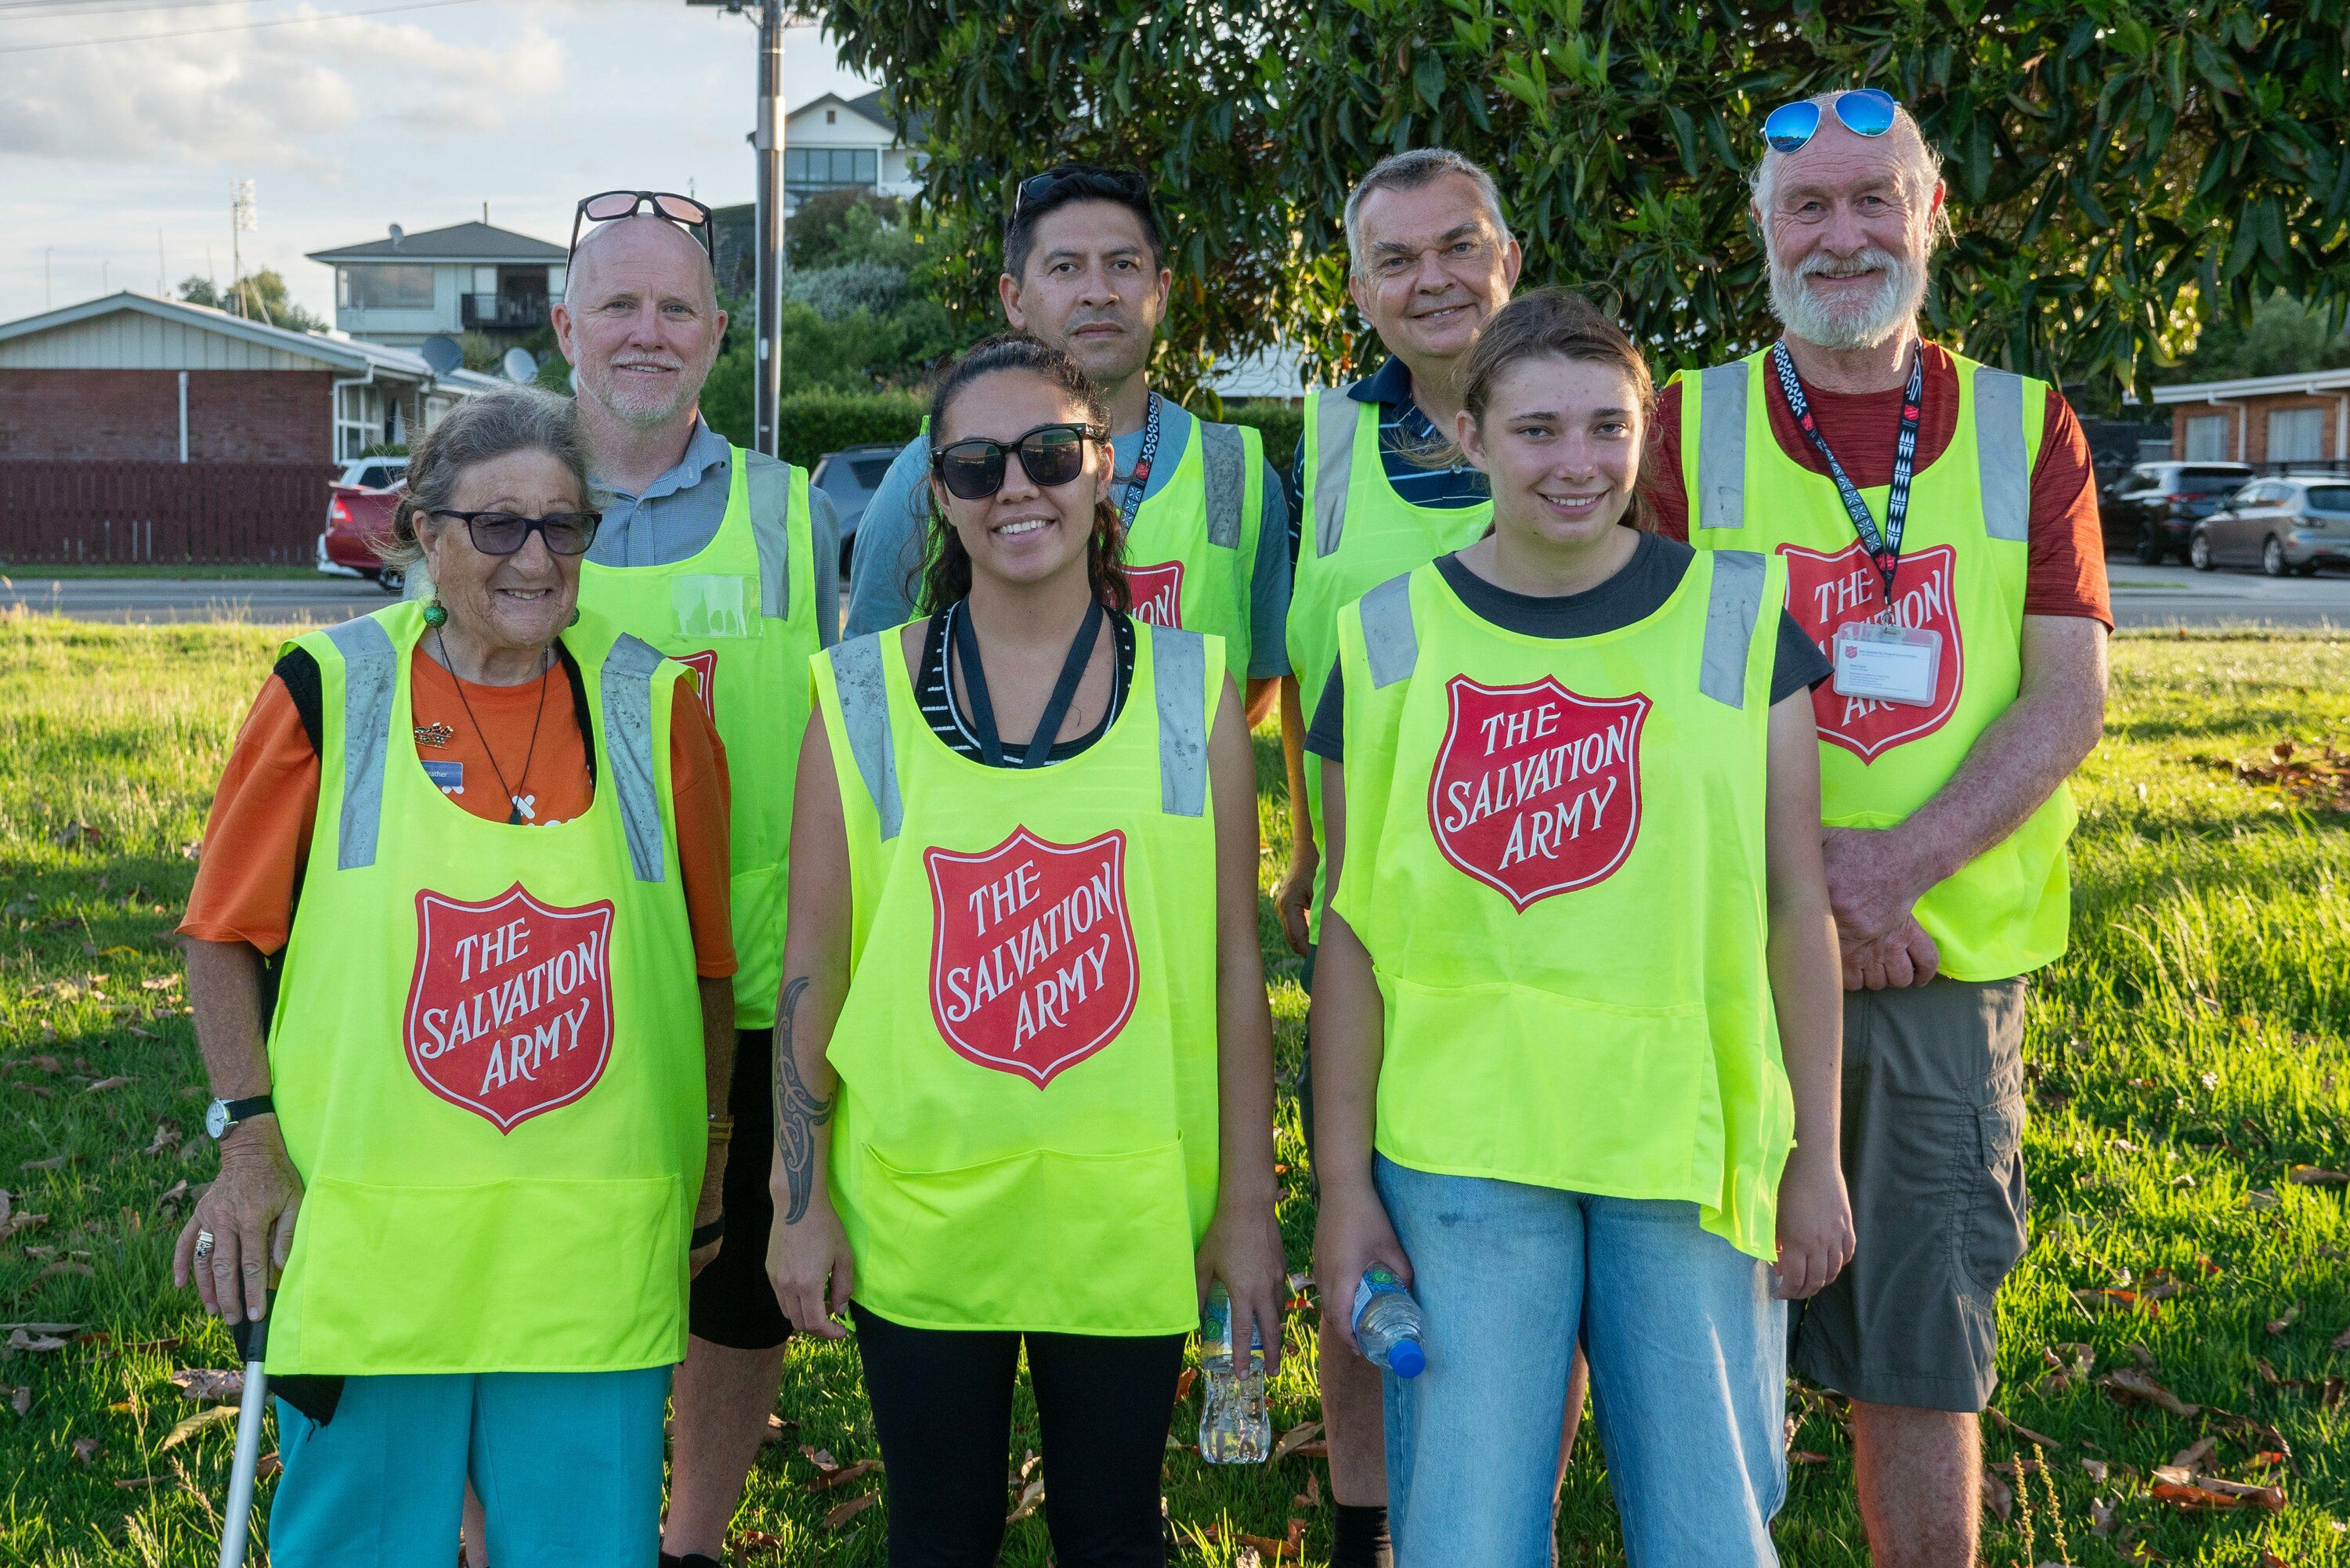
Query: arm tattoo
x=799 y=1113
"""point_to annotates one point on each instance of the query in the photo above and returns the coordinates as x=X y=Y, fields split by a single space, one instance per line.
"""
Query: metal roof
x=457 y=243
x=2312 y=382
x=345 y=354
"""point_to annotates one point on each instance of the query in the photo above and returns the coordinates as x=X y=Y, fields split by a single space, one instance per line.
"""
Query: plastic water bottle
x=1387 y=1325
x=1235 y=1428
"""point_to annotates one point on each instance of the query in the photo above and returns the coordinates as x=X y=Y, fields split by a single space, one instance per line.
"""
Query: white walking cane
x=251 y=1345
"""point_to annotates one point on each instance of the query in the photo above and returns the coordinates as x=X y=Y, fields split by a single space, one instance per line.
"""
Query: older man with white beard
x=1941 y=528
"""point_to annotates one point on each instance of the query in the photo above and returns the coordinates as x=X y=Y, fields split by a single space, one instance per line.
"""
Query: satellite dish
x=398 y=234
x=441 y=352
x=520 y=366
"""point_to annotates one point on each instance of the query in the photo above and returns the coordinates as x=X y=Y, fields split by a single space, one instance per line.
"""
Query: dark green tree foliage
x=261 y=295
x=2120 y=170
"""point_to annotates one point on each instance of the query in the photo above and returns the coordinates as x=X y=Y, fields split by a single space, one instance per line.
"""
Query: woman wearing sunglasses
x=1024 y=1062
x=457 y=949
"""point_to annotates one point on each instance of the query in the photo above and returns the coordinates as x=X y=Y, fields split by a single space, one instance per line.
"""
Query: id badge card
x=1887 y=664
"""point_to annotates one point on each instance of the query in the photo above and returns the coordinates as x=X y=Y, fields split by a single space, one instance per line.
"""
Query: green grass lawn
x=2186 y=1055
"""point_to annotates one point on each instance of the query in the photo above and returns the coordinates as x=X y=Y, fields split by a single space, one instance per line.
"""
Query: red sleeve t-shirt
x=259 y=832
x=2066 y=575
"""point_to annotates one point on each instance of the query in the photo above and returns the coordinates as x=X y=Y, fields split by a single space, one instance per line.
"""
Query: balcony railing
x=503 y=311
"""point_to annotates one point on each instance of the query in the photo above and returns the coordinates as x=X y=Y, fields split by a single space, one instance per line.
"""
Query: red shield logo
x=1824 y=592
x=510 y=1014
x=704 y=666
x=1536 y=791
x=1157 y=593
x=1031 y=963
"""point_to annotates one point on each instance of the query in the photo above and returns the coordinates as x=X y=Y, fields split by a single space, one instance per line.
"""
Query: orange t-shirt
x=259 y=833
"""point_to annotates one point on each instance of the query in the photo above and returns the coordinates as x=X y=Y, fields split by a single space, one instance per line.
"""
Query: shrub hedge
x=816 y=423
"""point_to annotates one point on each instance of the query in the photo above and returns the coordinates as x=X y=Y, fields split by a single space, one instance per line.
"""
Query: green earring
x=575 y=617
x=436 y=614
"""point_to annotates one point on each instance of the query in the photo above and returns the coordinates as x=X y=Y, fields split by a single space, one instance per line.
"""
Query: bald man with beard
x=727 y=560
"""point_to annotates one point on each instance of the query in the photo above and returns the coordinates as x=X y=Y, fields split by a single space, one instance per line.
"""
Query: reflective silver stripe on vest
x=1730 y=615
x=857 y=676
x=1721 y=446
x=770 y=495
x=1225 y=460
x=1335 y=418
x=370 y=669
x=1178 y=673
x=1389 y=639
x=1998 y=447
x=629 y=744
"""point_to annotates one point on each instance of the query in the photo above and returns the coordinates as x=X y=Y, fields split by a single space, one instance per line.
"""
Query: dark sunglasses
x=1865 y=111
x=611 y=205
x=972 y=469
x=1126 y=182
x=504 y=533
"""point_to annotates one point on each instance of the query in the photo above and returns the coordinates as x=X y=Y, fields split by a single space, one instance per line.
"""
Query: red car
x=358 y=514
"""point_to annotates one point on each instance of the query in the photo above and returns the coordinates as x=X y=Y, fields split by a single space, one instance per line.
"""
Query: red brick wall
x=2249 y=422
x=241 y=416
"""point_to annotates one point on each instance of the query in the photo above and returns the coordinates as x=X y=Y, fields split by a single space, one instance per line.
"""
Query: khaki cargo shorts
x=1933 y=1155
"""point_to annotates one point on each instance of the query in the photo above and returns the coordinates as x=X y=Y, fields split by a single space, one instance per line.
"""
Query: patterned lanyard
x=1140 y=478
x=1884 y=548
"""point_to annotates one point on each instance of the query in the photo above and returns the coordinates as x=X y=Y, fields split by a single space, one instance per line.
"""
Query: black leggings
x=942 y=1405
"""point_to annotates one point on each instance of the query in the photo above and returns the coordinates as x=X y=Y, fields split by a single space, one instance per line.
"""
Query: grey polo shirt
x=678 y=513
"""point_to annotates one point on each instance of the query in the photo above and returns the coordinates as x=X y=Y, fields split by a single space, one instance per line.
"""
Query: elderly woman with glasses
x=459 y=955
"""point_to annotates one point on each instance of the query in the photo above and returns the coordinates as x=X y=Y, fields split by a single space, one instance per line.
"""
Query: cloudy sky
x=415 y=115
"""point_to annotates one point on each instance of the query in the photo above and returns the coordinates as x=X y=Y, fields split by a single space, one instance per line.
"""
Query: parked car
x=358 y=511
x=2297 y=524
x=2154 y=507
x=850 y=477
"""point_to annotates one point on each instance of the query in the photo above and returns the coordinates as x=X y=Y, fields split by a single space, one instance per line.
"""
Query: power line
x=56 y=10
x=232 y=28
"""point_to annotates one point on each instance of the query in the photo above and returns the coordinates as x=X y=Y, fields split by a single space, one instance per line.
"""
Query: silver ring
x=204 y=1243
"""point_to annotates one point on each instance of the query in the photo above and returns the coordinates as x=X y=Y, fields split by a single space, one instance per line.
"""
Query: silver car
x=2295 y=524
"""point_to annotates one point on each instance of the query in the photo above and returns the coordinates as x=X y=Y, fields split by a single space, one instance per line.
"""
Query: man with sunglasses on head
x=1085 y=268
x=725 y=560
x=1941 y=528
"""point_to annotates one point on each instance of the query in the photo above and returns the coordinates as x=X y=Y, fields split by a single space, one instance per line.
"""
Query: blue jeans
x=1689 y=1374
x=568 y=1467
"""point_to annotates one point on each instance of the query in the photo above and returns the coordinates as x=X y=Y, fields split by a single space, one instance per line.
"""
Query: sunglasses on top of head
x=972 y=469
x=610 y=206
x=1864 y=111
x=1128 y=182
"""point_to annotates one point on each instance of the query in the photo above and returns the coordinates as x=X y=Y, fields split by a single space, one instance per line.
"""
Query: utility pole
x=767 y=220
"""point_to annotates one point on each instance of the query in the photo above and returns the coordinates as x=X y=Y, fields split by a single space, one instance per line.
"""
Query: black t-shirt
x=934 y=692
x=1639 y=591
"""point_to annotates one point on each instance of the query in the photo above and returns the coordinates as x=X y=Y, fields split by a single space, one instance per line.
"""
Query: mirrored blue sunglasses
x=1865 y=111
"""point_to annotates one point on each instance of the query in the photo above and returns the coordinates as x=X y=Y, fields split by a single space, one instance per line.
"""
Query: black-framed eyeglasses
x=1130 y=183
x=504 y=533
x=972 y=469
x=610 y=206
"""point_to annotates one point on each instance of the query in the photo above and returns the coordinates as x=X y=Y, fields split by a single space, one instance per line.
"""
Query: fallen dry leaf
x=2341 y=1340
x=1805 y=1456
x=2101 y=1517
x=35 y=1222
x=2138 y=1386
x=820 y=1458
x=2318 y=1176
x=2096 y=1469
x=1997 y=1497
x=1190 y=1374
x=1293 y=1440
x=26 y=1340
x=137 y=1483
x=2280 y=1323
x=197 y=1423
x=64 y=1267
x=1030 y=1496
x=55 y=1162
x=209 y=1384
x=777 y=1428
x=173 y=1193
x=2000 y=1419
x=160 y=982
x=1311 y=1496
x=847 y=1511
x=85 y=1450
x=19 y=1395
x=2187 y=1459
x=826 y=1480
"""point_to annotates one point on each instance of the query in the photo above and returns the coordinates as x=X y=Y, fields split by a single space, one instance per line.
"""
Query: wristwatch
x=222 y=1115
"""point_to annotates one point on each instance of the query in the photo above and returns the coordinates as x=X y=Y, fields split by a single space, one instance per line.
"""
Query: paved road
x=166 y=599
x=2143 y=596
x=2180 y=595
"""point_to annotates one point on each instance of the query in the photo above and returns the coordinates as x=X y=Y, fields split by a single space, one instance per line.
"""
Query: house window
x=831 y=168
x=832 y=117
x=2296 y=435
x=2206 y=439
x=359 y=418
x=401 y=285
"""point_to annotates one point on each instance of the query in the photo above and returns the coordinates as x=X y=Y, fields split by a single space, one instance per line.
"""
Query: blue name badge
x=450 y=776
